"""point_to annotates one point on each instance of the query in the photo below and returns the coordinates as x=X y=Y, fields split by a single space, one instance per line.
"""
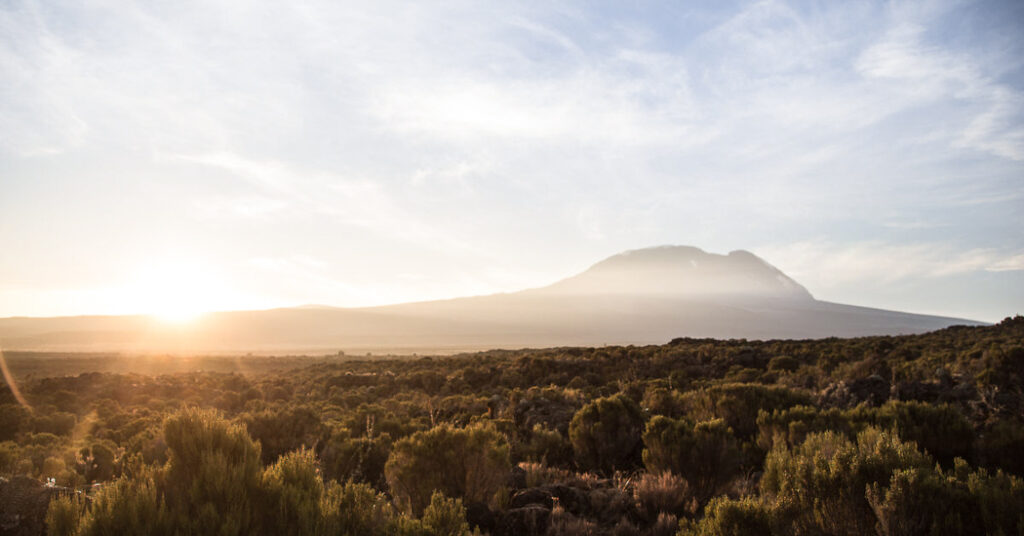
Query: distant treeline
x=901 y=435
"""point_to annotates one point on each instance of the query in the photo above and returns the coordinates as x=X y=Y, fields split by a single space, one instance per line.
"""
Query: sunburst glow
x=176 y=291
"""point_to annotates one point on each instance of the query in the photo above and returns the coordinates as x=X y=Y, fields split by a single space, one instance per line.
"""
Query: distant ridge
x=644 y=296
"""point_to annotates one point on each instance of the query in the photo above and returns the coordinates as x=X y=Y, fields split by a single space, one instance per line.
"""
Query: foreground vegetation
x=881 y=435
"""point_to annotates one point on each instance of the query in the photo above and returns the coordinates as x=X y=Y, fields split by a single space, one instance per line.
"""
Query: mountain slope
x=639 y=297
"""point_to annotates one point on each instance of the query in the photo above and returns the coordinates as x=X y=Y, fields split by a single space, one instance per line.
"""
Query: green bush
x=469 y=463
x=291 y=495
x=792 y=425
x=783 y=363
x=957 y=502
x=445 y=517
x=728 y=517
x=64 y=514
x=1000 y=497
x=1001 y=445
x=212 y=475
x=739 y=403
x=361 y=459
x=282 y=431
x=924 y=501
x=124 y=506
x=544 y=446
x=355 y=508
x=941 y=430
x=706 y=454
x=606 y=434
x=13 y=419
x=820 y=485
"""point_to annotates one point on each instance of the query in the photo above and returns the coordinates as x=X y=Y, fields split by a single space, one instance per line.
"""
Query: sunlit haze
x=179 y=158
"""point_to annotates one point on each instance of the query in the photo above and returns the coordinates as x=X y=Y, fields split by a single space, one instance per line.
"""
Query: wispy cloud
x=461 y=132
x=837 y=264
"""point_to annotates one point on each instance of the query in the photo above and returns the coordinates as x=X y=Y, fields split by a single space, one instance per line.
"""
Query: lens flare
x=9 y=378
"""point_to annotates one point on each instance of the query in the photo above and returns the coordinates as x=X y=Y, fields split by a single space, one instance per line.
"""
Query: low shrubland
x=879 y=435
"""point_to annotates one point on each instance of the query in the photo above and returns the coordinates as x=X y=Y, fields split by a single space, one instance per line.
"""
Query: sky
x=166 y=157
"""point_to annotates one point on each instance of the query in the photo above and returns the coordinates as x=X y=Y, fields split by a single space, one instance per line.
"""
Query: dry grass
x=663 y=493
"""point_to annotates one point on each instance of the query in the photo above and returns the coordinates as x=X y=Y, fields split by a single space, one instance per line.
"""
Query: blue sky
x=224 y=155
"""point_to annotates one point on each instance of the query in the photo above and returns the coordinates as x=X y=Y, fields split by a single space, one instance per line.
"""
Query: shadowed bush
x=706 y=454
x=468 y=463
x=957 y=502
x=606 y=434
x=738 y=404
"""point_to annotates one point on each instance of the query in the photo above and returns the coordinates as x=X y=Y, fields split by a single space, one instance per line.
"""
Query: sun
x=175 y=292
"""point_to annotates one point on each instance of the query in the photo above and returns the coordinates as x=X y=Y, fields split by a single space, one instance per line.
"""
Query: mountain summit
x=683 y=271
x=644 y=296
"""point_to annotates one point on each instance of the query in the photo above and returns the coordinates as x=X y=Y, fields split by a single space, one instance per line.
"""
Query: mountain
x=682 y=271
x=645 y=296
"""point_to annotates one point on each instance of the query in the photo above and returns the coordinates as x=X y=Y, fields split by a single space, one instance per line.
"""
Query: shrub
x=291 y=495
x=9 y=453
x=941 y=431
x=355 y=508
x=792 y=425
x=544 y=446
x=924 y=501
x=13 y=418
x=739 y=403
x=1000 y=498
x=125 y=506
x=212 y=475
x=960 y=501
x=468 y=463
x=361 y=459
x=606 y=434
x=282 y=431
x=1002 y=446
x=63 y=515
x=662 y=401
x=783 y=363
x=99 y=463
x=663 y=493
x=820 y=485
x=706 y=454
x=728 y=517
x=445 y=517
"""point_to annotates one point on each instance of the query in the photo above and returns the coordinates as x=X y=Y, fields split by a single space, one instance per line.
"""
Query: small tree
x=291 y=495
x=606 y=434
x=213 y=474
x=469 y=463
x=706 y=454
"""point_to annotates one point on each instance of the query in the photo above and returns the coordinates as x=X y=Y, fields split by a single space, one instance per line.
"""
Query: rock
x=531 y=519
x=874 y=390
x=517 y=478
x=23 y=504
x=573 y=500
x=479 y=516
x=530 y=496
